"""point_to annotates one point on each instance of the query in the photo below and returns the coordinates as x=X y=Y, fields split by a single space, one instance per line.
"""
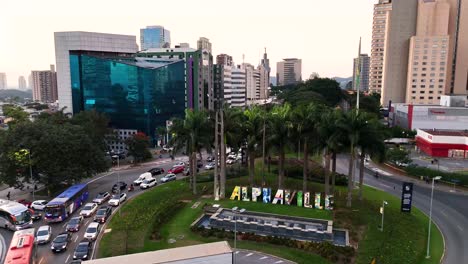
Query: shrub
x=417 y=171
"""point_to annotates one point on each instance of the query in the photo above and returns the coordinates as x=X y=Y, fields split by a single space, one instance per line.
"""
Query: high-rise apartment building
x=78 y=42
x=364 y=62
x=266 y=62
x=289 y=71
x=22 y=83
x=206 y=67
x=204 y=44
x=224 y=59
x=252 y=81
x=3 y=80
x=238 y=88
x=45 y=85
x=154 y=37
x=394 y=24
x=428 y=56
x=264 y=81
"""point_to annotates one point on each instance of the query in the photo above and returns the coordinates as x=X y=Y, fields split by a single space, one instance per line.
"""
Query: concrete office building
x=78 y=42
x=252 y=81
x=394 y=24
x=3 y=80
x=238 y=88
x=22 y=83
x=264 y=81
x=224 y=59
x=364 y=72
x=428 y=61
x=206 y=67
x=154 y=37
x=289 y=71
x=231 y=85
x=45 y=85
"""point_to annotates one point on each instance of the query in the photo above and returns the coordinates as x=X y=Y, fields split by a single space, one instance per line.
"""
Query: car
x=119 y=186
x=74 y=224
x=39 y=204
x=117 y=199
x=102 y=197
x=156 y=171
x=176 y=169
x=60 y=242
x=210 y=159
x=103 y=214
x=402 y=164
x=83 y=250
x=210 y=166
x=43 y=234
x=148 y=183
x=92 y=231
x=168 y=178
x=167 y=148
x=179 y=163
x=25 y=202
x=143 y=177
x=36 y=215
x=231 y=161
x=89 y=209
x=199 y=164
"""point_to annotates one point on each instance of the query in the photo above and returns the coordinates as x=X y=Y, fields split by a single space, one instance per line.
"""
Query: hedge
x=417 y=171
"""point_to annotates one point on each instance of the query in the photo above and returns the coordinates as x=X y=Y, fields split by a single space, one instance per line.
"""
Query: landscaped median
x=160 y=218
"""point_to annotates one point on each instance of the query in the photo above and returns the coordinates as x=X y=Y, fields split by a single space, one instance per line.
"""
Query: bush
x=316 y=174
x=417 y=171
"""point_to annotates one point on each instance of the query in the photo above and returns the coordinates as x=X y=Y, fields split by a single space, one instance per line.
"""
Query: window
x=424 y=69
x=414 y=80
x=413 y=97
x=432 y=74
x=422 y=92
x=423 y=86
x=413 y=86
x=424 y=63
x=430 y=97
x=431 y=86
x=415 y=74
x=442 y=69
x=431 y=92
x=423 y=75
x=413 y=92
x=441 y=74
x=441 y=80
x=442 y=63
x=421 y=97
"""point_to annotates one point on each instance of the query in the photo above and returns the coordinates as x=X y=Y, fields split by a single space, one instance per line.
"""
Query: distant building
x=118 y=144
x=266 y=62
x=230 y=85
x=204 y=44
x=238 y=88
x=224 y=59
x=154 y=37
x=22 y=83
x=289 y=71
x=364 y=72
x=3 y=80
x=252 y=82
x=443 y=143
x=45 y=85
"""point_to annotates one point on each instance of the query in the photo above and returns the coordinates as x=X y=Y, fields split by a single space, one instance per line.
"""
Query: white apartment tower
x=3 y=80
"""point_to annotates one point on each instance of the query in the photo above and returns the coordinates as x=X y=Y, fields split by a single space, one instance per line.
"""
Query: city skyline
x=291 y=31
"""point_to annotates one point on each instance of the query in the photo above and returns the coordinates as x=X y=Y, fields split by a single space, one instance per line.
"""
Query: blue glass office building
x=154 y=37
x=135 y=94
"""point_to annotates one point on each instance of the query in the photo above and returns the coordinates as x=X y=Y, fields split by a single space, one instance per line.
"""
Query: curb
x=261 y=253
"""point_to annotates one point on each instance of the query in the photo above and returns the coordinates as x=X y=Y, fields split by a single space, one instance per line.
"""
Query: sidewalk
x=395 y=172
x=16 y=194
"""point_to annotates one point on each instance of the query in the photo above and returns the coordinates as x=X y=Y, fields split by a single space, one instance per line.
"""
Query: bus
x=14 y=216
x=23 y=249
x=62 y=206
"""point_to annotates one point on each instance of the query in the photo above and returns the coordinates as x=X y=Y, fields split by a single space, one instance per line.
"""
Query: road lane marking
x=42 y=259
x=68 y=257
x=459 y=227
x=263 y=258
x=385 y=185
x=248 y=255
x=94 y=250
x=444 y=213
x=237 y=252
x=98 y=178
x=279 y=261
x=76 y=238
x=3 y=246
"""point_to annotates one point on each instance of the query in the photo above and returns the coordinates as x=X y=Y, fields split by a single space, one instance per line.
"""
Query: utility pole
x=216 y=158
x=358 y=75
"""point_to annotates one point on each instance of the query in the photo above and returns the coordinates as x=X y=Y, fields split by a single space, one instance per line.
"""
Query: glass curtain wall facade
x=134 y=96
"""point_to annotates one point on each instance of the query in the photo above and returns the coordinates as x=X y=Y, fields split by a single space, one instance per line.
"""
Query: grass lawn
x=403 y=239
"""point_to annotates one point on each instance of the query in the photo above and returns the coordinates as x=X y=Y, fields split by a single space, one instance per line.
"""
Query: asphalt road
x=449 y=210
x=96 y=185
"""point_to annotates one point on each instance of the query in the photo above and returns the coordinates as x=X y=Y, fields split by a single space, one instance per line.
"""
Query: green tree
x=96 y=125
x=253 y=131
x=398 y=155
x=138 y=147
x=16 y=113
x=280 y=127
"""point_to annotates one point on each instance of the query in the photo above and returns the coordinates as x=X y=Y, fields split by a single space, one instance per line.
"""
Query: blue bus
x=58 y=209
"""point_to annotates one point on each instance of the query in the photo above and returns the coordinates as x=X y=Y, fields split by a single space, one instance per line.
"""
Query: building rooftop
x=450 y=133
x=169 y=255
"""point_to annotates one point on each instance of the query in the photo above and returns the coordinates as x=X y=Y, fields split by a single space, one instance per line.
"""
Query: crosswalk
x=253 y=257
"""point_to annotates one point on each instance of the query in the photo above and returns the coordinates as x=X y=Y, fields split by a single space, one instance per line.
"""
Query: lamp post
x=118 y=176
x=383 y=214
x=30 y=172
x=235 y=211
x=430 y=216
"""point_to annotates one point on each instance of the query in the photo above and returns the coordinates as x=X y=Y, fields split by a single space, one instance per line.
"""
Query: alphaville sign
x=286 y=197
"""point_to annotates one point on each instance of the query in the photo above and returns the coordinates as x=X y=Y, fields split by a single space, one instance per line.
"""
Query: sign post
x=406 y=197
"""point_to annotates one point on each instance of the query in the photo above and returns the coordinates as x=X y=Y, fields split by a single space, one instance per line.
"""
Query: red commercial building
x=443 y=143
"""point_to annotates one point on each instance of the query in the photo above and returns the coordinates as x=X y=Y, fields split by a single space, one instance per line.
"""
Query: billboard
x=406 y=197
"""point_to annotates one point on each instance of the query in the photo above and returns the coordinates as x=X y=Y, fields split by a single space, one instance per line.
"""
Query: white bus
x=14 y=216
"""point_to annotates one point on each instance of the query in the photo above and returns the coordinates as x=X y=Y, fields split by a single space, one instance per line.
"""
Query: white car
x=180 y=163
x=92 y=231
x=43 y=235
x=38 y=205
x=148 y=183
x=102 y=197
x=231 y=161
x=89 y=209
x=210 y=166
x=117 y=199
x=168 y=178
x=143 y=177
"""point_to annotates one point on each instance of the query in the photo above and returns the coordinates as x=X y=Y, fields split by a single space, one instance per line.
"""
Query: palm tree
x=253 y=131
x=354 y=124
x=280 y=126
x=192 y=133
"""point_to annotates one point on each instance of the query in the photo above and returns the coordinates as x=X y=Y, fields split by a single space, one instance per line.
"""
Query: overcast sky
x=323 y=33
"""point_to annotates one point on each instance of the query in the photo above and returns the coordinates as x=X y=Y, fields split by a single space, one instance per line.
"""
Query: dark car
x=36 y=215
x=103 y=214
x=119 y=186
x=156 y=171
x=210 y=159
x=74 y=224
x=83 y=250
x=60 y=242
x=199 y=163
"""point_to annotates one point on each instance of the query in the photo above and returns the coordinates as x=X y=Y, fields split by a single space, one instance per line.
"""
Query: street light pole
x=263 y=163
x=430 y=216
x=383 y=213
x=31 y=175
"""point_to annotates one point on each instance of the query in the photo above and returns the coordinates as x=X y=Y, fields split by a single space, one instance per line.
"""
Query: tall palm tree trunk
x=281 y=168
x=361 y=173
x=327 y=171
x=350 y=177
x=251 y=168
x=216 y=159
x=222 y=162
x=305 y=171
x=193 y=171
x=333 y=172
